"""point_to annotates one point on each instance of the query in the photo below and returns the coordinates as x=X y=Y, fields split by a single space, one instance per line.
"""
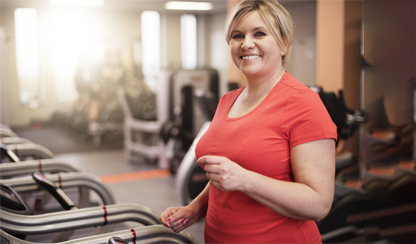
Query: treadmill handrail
x=79 y=214
x=146 y=234
x=31 y=149
x=14 y=140
x=7 y=132
x=66 y=180
x=75 y=219
x=28 y=167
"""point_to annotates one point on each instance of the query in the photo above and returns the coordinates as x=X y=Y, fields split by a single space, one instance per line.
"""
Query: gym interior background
x=117 y=89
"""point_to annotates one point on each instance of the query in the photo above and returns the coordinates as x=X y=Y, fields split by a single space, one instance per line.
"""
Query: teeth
x=250 y=57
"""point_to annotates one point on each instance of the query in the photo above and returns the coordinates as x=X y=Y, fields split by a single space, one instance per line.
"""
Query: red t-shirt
x=260 y=141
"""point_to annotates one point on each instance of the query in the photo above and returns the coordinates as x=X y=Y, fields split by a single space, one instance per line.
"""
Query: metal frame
x=14 y=140
x=7 y=132
x=146 y=234
x=75 y=219
x=66 y=180
x=28 y=167
x=31 y=150
x=131 y=124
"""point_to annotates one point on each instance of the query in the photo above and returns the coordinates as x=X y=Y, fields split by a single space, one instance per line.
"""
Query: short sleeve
x=306 y=119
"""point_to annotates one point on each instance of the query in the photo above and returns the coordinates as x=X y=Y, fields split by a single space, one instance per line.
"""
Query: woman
x=270 y=150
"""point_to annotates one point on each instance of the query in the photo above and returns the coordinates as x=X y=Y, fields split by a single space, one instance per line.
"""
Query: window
x=188 y=41
x=27 y=57
x=68 y=33
x=150 y=47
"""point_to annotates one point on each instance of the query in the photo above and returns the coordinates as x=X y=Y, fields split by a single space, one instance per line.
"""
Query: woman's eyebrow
x=260 y=27
x=255 y=28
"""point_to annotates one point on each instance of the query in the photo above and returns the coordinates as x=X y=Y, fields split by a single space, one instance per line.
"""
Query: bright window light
x=27 y=57
x=150 y=47
x=91 y=3
x=176 y=5
x=188 y=41
x=68 y=36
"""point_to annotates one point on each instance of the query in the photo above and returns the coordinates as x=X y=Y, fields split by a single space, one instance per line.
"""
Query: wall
x=330 y=44
x=4 y=110
x=219 y=53
x=302 y=63
x=172 y=41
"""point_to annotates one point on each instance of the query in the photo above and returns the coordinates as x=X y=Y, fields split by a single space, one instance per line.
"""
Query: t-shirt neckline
x=258 y=106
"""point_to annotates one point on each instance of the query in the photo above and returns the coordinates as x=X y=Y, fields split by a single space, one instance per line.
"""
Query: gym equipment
x=83 y=181
x=116 y=240
x=55 y=191
x=146 y=234
x=7 y=155
x=186 y=117
x=190 y=177
x=7 y=132
x=13 y=140
x=384 y=203
x=80 y=218
x=64 y=180
x=11 y=201
x=23 y=225
x=176 y=117
x=347 y=122
x=68 y=220
x=28 y=167
x=131 y=124
x=30 y=150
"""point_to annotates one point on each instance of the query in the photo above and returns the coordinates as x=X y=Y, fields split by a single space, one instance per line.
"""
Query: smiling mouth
x=249 y=57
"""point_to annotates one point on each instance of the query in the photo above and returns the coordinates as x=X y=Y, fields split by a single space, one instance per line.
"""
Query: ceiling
x=140 y=5
x=130 y=5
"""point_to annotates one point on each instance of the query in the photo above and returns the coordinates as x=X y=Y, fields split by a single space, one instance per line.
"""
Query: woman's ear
x=283 y=50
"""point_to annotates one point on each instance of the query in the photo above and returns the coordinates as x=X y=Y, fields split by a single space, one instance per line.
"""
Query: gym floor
x=131 y=182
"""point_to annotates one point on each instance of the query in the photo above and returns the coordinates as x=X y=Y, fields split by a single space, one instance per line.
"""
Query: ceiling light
x=90 y=3
x=176 y=5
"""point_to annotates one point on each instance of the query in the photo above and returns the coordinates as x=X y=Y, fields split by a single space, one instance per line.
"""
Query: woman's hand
x=224 y=174
x=178 y=218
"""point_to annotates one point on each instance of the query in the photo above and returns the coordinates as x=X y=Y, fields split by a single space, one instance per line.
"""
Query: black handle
x=57 y=193
x=116 y=240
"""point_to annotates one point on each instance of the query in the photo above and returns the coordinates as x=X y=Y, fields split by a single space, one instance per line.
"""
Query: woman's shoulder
x=292 y=83
x=297 y=92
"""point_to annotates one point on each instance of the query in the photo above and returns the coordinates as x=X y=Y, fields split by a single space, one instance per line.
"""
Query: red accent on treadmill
x=134 y=235
x=38 y=204
x=105 y=215
x=60 y=181
x=40 y=165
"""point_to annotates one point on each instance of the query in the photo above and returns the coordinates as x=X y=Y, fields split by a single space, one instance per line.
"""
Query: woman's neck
x=259 y=86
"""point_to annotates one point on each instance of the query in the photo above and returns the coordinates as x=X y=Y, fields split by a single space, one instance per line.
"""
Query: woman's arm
x=179 y=218
x=309 y=197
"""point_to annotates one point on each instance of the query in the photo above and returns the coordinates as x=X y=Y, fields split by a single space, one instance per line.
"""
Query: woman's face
x=253 y=48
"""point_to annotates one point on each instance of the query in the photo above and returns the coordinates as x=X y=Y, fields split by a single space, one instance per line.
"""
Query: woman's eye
x=260 y=34
x=237 y=36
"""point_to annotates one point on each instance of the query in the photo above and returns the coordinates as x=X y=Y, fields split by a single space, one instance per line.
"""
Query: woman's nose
x=248 y=43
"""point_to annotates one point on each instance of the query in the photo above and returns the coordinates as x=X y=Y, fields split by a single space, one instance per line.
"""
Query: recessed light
x=90 y=3
x=177 y=5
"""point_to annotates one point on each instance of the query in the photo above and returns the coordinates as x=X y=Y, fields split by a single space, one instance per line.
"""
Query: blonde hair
x=276 y=17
